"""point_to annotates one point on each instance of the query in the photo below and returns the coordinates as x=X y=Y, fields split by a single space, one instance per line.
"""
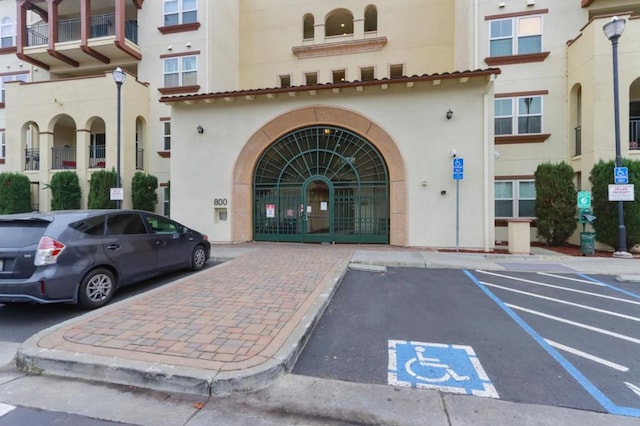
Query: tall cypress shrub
x=555 y=203
x=606 y=212
x=15 y=193
x=65 y=191
x=143 y=191
x=100 y=190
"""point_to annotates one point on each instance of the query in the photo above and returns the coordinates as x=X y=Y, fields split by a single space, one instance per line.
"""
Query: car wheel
x=198 y=258
x=96 y=288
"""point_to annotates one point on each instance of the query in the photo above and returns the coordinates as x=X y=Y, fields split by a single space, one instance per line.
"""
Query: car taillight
x=48 y=251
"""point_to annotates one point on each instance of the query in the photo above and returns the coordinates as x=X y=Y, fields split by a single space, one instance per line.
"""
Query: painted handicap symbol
x=434 y=368
x=449 y=368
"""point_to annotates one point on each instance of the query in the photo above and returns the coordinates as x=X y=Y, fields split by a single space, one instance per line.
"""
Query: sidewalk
x=240 y=325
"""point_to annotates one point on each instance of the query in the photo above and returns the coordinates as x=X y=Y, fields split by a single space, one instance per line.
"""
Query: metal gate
x=321 y=184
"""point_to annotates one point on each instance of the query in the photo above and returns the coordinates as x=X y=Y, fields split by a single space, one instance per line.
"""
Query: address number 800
x=219 y=201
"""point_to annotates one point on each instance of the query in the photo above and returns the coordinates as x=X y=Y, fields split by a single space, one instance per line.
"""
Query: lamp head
x=119 y=76
x=614 y=28
x=449 y=114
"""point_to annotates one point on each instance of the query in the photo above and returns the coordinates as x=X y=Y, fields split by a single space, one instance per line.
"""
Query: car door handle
x=161 y=243
x=113 y=246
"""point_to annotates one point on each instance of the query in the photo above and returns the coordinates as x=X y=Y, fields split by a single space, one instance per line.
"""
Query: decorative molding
x=520 y=94
x=181 y=28
x=526 y=138
x=516 y=14
x=8 y=50
x=516 y=59
x=339 y=48
x=174 y=55
x=164 y=154
x=178 y=90
x=1 y=160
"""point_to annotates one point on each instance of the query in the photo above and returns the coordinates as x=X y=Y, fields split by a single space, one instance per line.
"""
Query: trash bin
x=588 y=243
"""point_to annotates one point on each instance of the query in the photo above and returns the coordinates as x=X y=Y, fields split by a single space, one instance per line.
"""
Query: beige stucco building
x=413 y=123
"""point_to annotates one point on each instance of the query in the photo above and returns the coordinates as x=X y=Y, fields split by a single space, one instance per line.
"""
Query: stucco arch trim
x=241 y=226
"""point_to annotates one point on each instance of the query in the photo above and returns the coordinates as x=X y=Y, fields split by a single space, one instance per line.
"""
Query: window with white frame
x=515 y=198
x=515 y=36
x=519 y=115
x=178 y=12
x=7 y=36
x=180 y=71
x=8 y=78
x=166 y=135
x=3 y=146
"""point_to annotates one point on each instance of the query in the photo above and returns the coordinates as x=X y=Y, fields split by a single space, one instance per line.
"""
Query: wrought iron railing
x=139 y=159
x=63 y=157
x=97 y=156
x=634 y=133
x=69 y=30
x=31 y=159
x=37 y=34
x=578 y=138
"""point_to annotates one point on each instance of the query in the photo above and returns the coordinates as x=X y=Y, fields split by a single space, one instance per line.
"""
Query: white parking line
x=617 y=299
x=577 y=324
x=534 y=282
x=587 y=356
x=4 y=409
x=564 y=302
x=563 y=277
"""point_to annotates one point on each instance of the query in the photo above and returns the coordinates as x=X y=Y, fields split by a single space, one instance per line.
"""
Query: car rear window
x=21 y=233
x=125 y=223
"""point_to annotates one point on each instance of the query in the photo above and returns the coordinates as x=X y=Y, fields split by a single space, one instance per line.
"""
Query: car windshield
x=21 y=233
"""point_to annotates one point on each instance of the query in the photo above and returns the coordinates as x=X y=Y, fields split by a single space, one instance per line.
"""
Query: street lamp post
x=119 y=77
x=613 y=30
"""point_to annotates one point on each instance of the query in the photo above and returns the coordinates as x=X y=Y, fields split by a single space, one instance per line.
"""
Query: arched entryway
x=321 y=184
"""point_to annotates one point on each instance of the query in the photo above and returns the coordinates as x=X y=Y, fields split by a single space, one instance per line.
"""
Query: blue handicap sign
x=458 y=168
x=449 y=368
x=621 y=175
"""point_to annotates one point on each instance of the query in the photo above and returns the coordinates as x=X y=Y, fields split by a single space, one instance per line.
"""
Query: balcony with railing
x=634 y=133
x=31 y=159
x=139 y=159
x=63 y=157
x=69 y=30
x=578 y=141
x=97 y=156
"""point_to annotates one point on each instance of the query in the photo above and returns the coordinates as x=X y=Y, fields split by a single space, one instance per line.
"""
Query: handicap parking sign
x=449 y=368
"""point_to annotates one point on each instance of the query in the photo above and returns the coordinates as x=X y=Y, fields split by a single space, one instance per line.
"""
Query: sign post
x=458 y=175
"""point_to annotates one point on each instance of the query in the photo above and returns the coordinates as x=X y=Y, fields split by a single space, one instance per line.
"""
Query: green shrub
x=65 y=191
x=606 y=212
x=15 y=193
x=143 y=191
x=100 y=190
x=555 y=203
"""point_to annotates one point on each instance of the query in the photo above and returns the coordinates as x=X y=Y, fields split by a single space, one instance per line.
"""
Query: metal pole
x=119 y=85
x=622 y=232
x=457 y=214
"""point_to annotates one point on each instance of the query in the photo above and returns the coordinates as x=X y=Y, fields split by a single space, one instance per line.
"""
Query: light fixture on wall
x=200 y=129
x=449 y=114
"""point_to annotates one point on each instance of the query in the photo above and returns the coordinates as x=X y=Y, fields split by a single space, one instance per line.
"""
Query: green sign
x=584 y=199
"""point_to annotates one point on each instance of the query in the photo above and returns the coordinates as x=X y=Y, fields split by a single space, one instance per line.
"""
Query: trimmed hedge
x=143 y=191
x=555 y=203
x=65 y=191
x=100 y=190
x=15 y=193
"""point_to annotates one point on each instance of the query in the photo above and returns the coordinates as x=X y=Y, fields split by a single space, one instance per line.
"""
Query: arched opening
x=63 y=152
x=575 y=118
x=30 y=142
x=634 y=115
x=97 y=144
x=338 y=22
x=321 y=184
x=370 y=18
x=307 y=26
x=140 y=142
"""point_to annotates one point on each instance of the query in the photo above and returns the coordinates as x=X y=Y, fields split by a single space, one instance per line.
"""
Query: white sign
x=271 y=210
x=323 y=205
x=116 y=194
x=621 y=192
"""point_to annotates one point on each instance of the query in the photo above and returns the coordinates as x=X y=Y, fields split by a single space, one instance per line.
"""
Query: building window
x=370 y=18
x=285 y=80
x=7 y=37
x=339 y=22
x=166 y=201
x=308 y=27
x=3 y=146
x=515 y=198
x=311 y=78
x=527 y=39
x=166 y=135
x=396 y=71
x=367 y=73
x=8 y=78
x=97 y=150
x=339 y=76
x=178 y=12
x=526 y=119
x=180 y=71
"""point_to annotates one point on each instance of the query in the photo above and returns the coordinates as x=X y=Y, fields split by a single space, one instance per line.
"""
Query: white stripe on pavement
x=564 y=302
x=4 y=409
x=529 y=281
x=587 y=356
x=573 y=290
x=580 y=280
x=577 y=324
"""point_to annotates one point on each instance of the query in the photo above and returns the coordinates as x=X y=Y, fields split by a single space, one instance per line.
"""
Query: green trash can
x=588 y=243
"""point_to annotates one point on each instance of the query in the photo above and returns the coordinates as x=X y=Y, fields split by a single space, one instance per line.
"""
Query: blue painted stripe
x=612 y=287
x=580 y=378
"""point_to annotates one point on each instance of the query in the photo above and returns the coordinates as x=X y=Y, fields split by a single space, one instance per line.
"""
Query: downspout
x=488 y=159
x=207 y=70
x=475 y=34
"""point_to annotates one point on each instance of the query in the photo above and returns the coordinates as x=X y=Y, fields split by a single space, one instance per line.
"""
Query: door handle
x=113 y=246
x=161 y=243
